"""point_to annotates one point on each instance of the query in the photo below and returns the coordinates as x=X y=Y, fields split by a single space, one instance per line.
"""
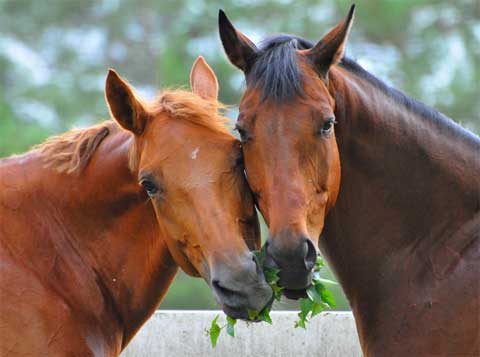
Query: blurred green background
x=54 y=55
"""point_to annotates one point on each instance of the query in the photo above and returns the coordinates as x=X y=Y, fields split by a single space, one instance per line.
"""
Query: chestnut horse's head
x=286 y=123
x=191 y=167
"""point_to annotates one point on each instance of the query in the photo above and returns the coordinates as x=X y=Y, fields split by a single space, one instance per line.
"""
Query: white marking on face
x=195 y=153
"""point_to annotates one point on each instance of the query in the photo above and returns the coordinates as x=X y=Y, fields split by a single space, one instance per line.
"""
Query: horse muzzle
x=295 y=263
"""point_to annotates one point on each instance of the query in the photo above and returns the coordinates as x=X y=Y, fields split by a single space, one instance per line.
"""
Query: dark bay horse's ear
x=330 y=49
x=239 y=49
x=203 y=80
x=123 y=105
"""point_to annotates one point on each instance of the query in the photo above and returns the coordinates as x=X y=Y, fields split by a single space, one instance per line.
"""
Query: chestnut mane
x=71 y=151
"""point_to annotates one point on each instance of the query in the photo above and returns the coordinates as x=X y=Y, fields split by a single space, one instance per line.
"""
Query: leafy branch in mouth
x=318 y=299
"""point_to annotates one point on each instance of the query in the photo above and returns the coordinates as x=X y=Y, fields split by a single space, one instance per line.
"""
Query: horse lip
x=294 y=294
x=290 y=280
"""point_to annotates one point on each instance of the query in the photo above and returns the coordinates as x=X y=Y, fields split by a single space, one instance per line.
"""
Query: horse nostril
x=258 y=268
x=223 y=291
x=269 y=262
x=310 y=256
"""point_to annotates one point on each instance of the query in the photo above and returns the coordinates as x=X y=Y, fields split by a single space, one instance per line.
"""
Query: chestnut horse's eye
x=239 y=163
x=327 y=126
x=243 y=134
x=150 y=187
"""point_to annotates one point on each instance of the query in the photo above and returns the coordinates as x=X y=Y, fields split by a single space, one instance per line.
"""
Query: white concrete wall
x=182 y=334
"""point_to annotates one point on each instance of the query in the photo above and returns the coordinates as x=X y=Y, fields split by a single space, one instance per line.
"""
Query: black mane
x=276 y=73
x=275 y=69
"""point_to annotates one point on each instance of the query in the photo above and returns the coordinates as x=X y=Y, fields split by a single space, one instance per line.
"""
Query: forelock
x=275 y=71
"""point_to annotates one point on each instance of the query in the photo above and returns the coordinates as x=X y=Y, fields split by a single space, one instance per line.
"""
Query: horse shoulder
x=34 y=319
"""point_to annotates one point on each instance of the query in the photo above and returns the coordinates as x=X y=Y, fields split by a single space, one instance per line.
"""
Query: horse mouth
x=294 y=294
x=235 y=312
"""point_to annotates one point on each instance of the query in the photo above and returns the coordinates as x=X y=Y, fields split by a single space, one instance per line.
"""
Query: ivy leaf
x=214 y=331
x=326 y=281
x=306 y=306
x=277 y=292
x=271 y=275
x=318 y=308
x=252 y=314
x=300 y=323
x=313 y=294
x=231 y=326
x=319 y=264
x=326 y=295
x=265 y=315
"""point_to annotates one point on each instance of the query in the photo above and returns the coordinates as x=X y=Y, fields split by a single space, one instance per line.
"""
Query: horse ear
x=331 y=48
x=123 y=105
x=239 y=49
x=203 y=80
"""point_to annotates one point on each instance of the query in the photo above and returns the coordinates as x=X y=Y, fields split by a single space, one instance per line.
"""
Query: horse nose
x=296 y=259
x=301 y=255
x=240 y=289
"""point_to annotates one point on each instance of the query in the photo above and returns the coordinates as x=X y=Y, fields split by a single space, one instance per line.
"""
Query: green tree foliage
x=54 y=57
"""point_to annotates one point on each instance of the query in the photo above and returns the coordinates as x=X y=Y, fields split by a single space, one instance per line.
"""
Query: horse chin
x=236 y=313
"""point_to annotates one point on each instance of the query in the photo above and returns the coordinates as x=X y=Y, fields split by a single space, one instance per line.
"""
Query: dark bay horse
x=388 y=188
x=95 y=222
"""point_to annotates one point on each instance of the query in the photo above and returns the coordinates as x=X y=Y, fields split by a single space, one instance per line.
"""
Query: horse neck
x=100 y=231
x=408 y=184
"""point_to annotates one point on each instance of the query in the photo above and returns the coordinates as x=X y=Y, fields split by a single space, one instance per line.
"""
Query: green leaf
x=277 y=292
x=300 y=323
x=302 y=320
x=214 y=331
x=319 y=264
x=326 y=281
x=252 y=314
x=318 y=308
x=313 y=294
x=306 y=305
x=326 y=295
x=271 y=275
x=265 y=315
x=231 y=326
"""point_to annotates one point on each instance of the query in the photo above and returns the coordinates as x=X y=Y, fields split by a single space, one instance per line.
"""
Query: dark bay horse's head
x=191 y=167
x=286 y=123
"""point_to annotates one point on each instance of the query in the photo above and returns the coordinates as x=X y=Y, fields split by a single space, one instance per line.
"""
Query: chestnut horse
x=388 y=188
x=95 y=222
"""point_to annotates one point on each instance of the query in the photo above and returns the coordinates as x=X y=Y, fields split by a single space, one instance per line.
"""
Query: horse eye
x=242 y=133
x=328 y=125
x=150 y=187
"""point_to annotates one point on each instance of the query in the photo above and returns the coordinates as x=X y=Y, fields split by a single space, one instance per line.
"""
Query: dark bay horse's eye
x=150 y=187
x=328 y=125
x=243 y=133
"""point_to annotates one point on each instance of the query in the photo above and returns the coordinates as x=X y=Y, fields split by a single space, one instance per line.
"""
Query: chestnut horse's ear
x=203 y=80
x=123 y=105
x=239 y=49
x=331 y=48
